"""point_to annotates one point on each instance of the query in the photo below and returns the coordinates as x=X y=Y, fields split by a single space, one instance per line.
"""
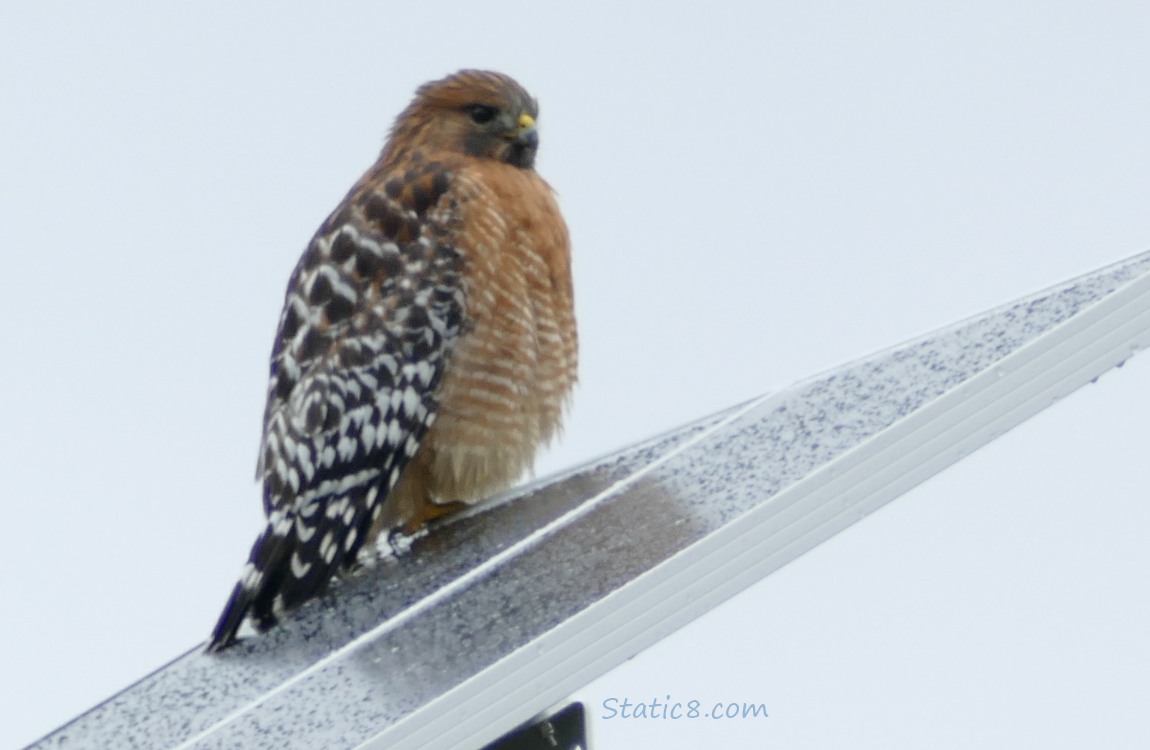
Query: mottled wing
x=372 y=312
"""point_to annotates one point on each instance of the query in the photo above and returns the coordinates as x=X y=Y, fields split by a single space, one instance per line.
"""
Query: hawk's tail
x=262 y=577
x=291 y=563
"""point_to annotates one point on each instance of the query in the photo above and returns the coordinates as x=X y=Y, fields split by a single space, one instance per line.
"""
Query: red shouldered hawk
x=426 y=349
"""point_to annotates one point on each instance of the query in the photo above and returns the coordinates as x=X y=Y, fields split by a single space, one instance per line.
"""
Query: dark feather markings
x=372 y=311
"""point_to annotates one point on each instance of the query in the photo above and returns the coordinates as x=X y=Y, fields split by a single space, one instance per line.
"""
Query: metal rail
x=501 y=614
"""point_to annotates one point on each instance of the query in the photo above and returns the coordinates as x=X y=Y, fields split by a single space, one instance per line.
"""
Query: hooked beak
x=526 y=134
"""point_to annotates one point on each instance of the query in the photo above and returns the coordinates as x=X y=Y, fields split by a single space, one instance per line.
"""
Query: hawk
x=427 y=346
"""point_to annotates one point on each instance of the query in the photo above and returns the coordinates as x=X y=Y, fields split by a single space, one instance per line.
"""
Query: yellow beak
x=527 y=134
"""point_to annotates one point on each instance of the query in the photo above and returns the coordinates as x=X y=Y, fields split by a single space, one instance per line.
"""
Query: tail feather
x=224 y=634
x=291 y=563
x=261 y=578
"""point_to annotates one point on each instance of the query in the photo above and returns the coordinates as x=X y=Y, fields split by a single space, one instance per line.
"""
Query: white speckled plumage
x=427 y=346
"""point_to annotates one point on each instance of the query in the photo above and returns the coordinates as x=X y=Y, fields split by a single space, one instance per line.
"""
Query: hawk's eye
x=481 y=114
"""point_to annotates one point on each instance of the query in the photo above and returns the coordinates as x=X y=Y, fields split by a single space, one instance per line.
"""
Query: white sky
x=757 y=192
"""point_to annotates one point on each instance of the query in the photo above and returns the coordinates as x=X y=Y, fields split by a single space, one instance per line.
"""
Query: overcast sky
x=757 y=192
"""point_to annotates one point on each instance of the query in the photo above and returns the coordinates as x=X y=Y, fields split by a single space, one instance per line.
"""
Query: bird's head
x=474 y=112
